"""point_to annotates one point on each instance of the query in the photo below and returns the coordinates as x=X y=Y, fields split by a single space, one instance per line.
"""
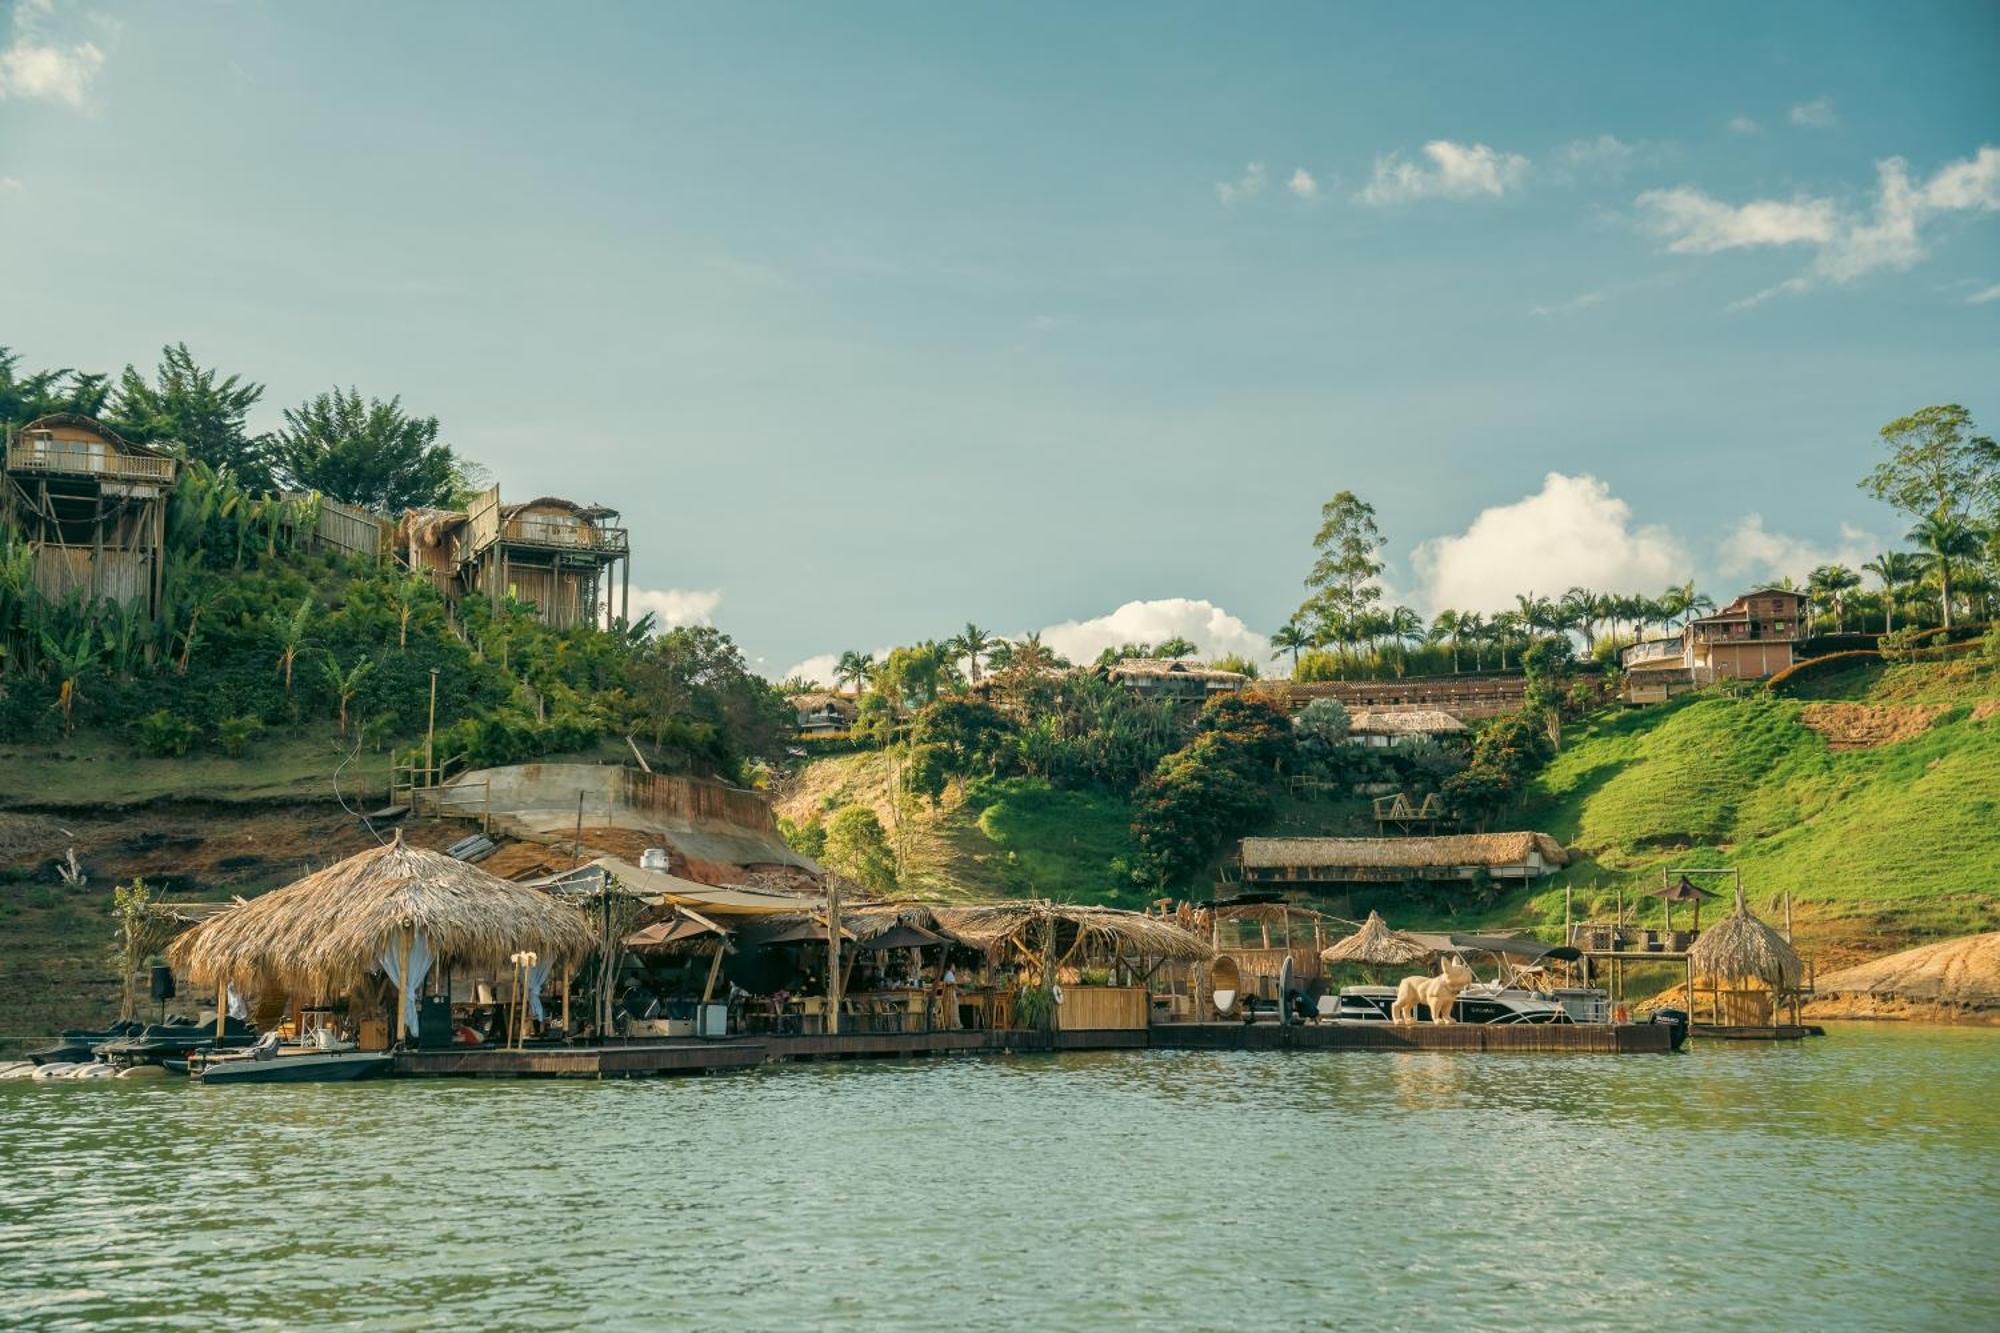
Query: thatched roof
x=814 y=700
x=1964 y=971
x=1741 y=948
x=1684 y=891
x=1406 y=722
x=1155 y=668
x=1457 y=849
x=428 y=527
x=1376 y=944
x=1021 y=926
x=328 y=931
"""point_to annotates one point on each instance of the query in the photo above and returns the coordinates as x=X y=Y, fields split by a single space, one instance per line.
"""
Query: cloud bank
x=32 y=66
x=1751 y=551
x=1573 y=532
x=1846 y=244
x=1212 y=630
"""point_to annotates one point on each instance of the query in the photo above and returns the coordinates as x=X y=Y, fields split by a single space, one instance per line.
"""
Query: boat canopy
x=1510 y=946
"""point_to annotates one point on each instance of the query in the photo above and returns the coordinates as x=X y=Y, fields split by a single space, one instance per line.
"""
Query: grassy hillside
x=1875 y=844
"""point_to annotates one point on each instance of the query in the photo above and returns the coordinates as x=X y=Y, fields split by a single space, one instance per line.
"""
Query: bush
x=235 y=733
x=164 y=735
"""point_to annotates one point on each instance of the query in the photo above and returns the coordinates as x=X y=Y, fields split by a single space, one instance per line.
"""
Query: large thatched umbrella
x=395 y=909
x=1684 y=890
x=1375 y=945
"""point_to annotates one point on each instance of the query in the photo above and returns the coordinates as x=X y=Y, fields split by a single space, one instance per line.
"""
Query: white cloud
x=32 y=65
x=1847 y=245
x=14 y=183
x=1817 y=114
x=1581 y=301
x=1302 y=184
x=818 y=670
x=1607 y=152
x=674 y=607
x=1571 y=533
x=1789 y=287
x=1751 y=551
x=1740 y=124
x=1457 y=171
x=1247 y=186
x=1982 y=297
x=1691 y=223
x=1212 y=630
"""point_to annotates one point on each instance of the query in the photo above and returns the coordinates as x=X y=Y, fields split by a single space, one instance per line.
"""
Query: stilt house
x=554 y=553
x=92 y=508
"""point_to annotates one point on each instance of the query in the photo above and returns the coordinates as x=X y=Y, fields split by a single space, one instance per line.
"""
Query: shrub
x=164 y=735
x=234 y=733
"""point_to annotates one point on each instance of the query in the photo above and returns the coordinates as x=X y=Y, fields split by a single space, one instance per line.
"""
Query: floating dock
x=647 y=1059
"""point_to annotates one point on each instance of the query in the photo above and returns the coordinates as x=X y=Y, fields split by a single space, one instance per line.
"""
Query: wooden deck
x=1744 y=1032
x=649 y=1059
x=1591 y=1038
x=618 y=1060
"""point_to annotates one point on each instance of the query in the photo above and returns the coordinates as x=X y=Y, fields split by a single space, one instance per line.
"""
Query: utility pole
x=430 y=733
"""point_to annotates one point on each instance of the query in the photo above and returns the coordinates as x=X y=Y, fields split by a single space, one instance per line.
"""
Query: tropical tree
x=854 y=670
x=972 y=643
x=345 y=683
x=1897 y=570
x=70 y=662
x=1344 y=572
x=1938 y=465
x=1289 y=638
x=1176 y=647
x=1446 y=628
x=408 y=594
x=372 y=454
x=1031 y=655
x=192 y=407
x=1947 y=543
x=1829 y=585
x=25 y=396
x=291 y=633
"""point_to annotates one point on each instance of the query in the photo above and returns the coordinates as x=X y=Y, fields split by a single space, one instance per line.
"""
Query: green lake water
x=1851 y=1182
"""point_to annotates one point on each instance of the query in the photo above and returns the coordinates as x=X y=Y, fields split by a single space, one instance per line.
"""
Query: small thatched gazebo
x=1375 y=945
x=395 y=910
x=1750 y=967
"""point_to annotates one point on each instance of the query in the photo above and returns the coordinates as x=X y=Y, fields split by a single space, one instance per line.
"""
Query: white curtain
x=420 y=967
x=236 y=1007
x=537 y=975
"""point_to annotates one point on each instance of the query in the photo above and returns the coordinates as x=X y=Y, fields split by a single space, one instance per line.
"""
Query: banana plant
x=345 y=684
x=291 y=632
x=70 y=663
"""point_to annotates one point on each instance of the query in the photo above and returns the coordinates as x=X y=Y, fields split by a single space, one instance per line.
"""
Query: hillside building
x=1755 y=636
x=92 y=508
x=1308 y=863
x=553 y=553
x=1172 y=678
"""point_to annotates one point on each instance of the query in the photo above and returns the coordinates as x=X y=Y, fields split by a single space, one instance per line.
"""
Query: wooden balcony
x=564 y=536
x=79 y=458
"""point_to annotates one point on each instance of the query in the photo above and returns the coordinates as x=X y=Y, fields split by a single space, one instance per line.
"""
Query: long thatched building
x=1307 y=862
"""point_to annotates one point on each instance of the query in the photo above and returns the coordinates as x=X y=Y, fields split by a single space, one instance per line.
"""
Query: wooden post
x=625 y=592
x=1690 y=1001
x=714 y=969
x=576 y=854
x=430 y=738
x=1569 y=905
x=221 y=1007
x=403 y=991
x=834 y=980
x=568 y=969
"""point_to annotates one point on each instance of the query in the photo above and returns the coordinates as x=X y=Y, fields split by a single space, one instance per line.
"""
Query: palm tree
x=1946 y=540
x=1031 y=655
x=1897 y=570
x=1503 y=627
x=1832 y=583
x=1472 y=628
x=971 y=643
x=1446 y=628
x=856 y=669
x=1531 y=612
x=1176 y=647
x=1289 y=638
x=1579 y=608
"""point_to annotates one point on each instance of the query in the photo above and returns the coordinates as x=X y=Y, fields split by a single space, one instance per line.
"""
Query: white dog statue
x=1438 y=994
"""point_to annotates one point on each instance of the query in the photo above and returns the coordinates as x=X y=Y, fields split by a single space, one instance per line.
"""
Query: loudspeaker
x=163 y=982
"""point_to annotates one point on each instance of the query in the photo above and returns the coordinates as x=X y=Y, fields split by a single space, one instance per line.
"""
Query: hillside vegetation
x=1874 y=844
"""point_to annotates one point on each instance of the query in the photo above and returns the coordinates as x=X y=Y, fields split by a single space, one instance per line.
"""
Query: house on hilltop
x=92 y=508
x=1753 y=637
x=1172 y=678
x=820 y=712
x=553 y=553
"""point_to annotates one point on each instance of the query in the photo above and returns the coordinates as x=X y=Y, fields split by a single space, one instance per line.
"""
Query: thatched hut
x=1751 y=969
x=1048 y=945
x=1375 y=945
x=396 y=911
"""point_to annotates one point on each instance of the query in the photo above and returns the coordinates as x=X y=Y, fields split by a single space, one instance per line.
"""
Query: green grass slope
x=1874 y=845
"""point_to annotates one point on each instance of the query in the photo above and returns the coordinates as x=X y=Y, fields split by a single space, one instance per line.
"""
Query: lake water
x=1852 y=1182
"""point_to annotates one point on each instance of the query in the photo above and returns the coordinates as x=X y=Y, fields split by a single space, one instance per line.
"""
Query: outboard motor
x=1676 y=1019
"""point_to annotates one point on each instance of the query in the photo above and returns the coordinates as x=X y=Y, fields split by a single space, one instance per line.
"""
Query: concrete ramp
x=700 y=820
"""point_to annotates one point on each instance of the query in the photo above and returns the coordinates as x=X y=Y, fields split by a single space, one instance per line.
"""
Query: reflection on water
x=1847 y=1183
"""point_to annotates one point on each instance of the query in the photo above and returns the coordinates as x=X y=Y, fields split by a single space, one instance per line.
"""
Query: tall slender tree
x=1947 y=543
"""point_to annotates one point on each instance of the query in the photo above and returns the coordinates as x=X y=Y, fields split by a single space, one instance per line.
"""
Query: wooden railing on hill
x=79 y=458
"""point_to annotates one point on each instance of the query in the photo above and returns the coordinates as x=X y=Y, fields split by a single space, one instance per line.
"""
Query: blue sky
x=876 y=317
